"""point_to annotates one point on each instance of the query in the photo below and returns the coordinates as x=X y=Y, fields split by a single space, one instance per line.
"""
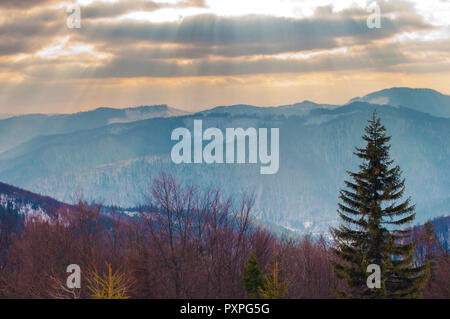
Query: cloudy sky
x=195 y=54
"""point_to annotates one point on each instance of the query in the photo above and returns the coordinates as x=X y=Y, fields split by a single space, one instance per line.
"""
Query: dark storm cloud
x=387 y=57
x=26 y=33
x=114 y=9
x=11 y=46
x=43 y=24
x=23 y=4
x=215 y=45
x=210 y=35
x=130 y=66
x=214 y=30
x=99 y=10
x=200 y=50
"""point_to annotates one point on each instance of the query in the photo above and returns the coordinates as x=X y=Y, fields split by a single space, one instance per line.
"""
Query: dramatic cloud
x=99 y=10
x=174 y=40
x=23 y=4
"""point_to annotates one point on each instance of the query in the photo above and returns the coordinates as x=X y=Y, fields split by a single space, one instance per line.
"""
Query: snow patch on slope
x=25 y=209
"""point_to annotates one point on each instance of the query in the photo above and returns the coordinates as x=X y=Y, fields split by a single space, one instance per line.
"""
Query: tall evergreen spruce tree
x=253 y=277
x=373 y=229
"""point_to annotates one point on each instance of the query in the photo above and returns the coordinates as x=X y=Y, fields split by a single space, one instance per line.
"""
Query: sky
x=196 y=54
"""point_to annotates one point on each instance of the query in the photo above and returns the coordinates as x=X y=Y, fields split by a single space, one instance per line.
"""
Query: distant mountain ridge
x=298 y=109
x=423 y=100
x=22 y=128
x=420 y=99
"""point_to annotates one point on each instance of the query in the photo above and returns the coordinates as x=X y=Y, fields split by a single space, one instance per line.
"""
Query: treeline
x=188 y=243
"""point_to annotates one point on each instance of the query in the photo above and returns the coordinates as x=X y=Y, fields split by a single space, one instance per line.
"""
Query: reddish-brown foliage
x=187 y=243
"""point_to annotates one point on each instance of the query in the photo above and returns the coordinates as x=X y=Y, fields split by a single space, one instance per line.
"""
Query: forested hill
x=28 y=203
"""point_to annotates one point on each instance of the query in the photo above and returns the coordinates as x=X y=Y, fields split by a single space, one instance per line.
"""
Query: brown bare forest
x=193 y=244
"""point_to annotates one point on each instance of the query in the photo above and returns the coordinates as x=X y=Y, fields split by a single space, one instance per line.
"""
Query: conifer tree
x=108 y=286
x=273 y=287
x=374 y=224
x=253 y=278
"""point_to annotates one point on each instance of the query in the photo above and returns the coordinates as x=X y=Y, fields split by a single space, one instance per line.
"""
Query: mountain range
x=15 y=130
x=422 y=100
x=111 y=155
